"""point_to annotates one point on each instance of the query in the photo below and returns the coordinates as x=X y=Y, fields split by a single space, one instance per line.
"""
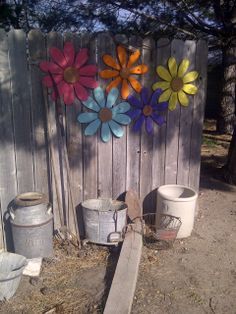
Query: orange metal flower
x=122 y=71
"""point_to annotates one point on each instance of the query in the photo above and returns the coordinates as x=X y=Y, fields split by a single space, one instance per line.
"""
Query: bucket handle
x=49 y=209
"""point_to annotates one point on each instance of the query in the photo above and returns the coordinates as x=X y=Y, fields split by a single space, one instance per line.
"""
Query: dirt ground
x=198 y=275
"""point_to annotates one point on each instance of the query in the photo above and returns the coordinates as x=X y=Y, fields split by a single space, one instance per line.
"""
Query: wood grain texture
x=21 y=111
x=198 y=114
x=8 y=182
x=172 y=130
x=186 y=118
x=104 y=45
x=37 y=53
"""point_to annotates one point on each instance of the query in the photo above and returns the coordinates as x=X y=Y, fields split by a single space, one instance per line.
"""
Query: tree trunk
x=230 y=168
x=226 y=120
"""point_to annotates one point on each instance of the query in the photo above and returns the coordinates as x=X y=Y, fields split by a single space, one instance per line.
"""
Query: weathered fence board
x=34 y=147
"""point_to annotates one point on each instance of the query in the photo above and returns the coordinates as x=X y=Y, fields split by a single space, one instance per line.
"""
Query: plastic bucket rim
x=176 y=199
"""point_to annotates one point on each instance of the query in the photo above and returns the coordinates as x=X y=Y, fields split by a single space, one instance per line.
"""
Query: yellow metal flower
x=176 y=83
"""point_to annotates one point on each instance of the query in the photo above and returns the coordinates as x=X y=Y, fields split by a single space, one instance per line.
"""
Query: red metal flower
x=68 y=74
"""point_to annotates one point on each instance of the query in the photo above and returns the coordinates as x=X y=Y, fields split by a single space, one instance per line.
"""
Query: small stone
x=45 y=290
x=34 y=281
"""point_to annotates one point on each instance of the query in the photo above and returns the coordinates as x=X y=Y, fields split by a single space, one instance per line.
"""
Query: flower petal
x=50 y=81
x=51 y=67
x=165 y=95
x=122 y=107
x=113 y=84
x=92 y=128
x=112 y=97
x=133 y=114
x=108 y=60
x=69 y=95
x=86 y=117
x=149 y=125
x=88 y=70
x=138 y=124
x=183 y=67
x=155 y=96
x=135 y=102
x=88 y=82
x=163 y=73
x=158 y=119
x=105 y=132
x=135 y=84
x=106 y=74
x=173 y=101
x=69 y=53
x=163 y=85
x=122 y=118
x=172 y=65
x=58 y=57
x=190 y=77
x=145 y=95
x=99 y=96
x=190 y=89
x=116 y=128
x=124 y=89
x=81 y=58
x=122 y=56
x=183 y=99
x=90 y=103
x=133 y=58
x=80 y=91
x=162 y=106
x=139 y=69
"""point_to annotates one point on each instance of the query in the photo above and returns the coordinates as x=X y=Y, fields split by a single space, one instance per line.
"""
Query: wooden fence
x=97 y=169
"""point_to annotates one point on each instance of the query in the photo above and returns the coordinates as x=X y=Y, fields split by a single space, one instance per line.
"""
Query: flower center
x=105 y=115
x=71 y=75
x=176 y=84
x=147 y=110
x=124 y=73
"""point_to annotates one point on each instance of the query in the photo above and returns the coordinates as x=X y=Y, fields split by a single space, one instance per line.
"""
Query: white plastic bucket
x=179 y=201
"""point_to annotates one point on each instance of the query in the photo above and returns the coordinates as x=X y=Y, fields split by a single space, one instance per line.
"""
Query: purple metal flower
x=147 y=109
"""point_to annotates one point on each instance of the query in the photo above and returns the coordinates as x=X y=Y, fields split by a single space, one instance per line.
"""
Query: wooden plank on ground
x=198 y=114
x=8 y=181
x=172 y=131
x=159 y=140
x=90 y=165
x=186 y=118
x=122 y=290
x=37 y=53
x=21 y=110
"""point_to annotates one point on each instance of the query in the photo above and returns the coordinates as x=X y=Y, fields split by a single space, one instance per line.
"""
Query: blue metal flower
x=147 y=109
x=105 y=113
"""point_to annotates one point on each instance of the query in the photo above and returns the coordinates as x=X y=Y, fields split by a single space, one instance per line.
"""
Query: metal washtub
x=32 y=225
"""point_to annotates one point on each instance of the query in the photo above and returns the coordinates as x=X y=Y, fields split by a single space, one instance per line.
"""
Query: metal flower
x=106 y=113
x=147 y=109
x=176 y=83
x=69 y=76
x=123 y=71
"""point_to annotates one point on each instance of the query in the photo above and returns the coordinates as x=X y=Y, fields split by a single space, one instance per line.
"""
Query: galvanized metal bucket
x=104 y=220
x=32 y=225
x=11 y=268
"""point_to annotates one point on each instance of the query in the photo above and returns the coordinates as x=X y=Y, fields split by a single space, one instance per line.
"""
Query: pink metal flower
x=68 y=74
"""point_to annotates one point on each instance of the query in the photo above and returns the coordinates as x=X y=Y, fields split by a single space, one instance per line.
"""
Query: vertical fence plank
x=186 y=117
x=90 y=165
x=198 y=114
x=8 y=186
x=104 y=46
x=37 y=53
x=146 y=174
x=133 y=142
x=21 y=110
x=119 y=155
x=159 y=140
x=172 y=131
